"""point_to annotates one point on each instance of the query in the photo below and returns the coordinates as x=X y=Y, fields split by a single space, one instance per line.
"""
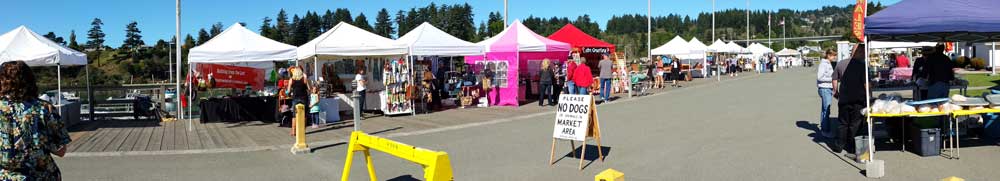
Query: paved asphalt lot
x=752 y=128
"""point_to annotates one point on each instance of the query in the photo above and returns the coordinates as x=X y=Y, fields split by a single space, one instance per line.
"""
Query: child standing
x=314 y=107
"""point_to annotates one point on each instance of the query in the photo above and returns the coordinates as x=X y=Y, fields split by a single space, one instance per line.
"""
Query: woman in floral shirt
x=29 y=128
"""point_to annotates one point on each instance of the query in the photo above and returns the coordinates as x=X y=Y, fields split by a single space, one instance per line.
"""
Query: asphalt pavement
x=756 y=127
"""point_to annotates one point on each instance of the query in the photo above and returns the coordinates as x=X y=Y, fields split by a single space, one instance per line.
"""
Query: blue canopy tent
x=936 y=21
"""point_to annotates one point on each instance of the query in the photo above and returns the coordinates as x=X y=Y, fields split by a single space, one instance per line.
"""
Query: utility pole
x=784 y=39
x=177 y=41
x=769 y=29
x=748 y=23
x=649 y=29
x=713 y=21
x=505 y=13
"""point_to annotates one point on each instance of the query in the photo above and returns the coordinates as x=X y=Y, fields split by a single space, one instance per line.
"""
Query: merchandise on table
x=396 y=77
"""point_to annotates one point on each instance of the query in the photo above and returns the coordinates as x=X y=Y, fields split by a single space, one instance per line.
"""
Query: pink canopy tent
x=517 y=46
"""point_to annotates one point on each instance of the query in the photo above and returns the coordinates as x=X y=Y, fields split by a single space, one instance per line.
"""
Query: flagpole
x=713 y=21
x=649 y=29
x=177 y=41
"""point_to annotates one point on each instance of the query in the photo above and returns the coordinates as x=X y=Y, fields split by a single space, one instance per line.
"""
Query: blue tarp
x=936 y=21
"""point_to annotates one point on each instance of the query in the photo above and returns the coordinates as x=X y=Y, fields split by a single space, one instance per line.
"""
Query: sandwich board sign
x=576 y=120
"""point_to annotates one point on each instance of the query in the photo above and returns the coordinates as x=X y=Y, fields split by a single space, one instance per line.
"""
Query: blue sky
x=156 y=17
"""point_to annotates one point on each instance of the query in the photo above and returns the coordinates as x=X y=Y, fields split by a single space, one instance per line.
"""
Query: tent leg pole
x=59 y=87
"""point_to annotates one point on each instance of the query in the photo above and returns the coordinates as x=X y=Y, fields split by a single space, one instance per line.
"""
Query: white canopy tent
x=788 y=52
x=698 y=50
x=427 y=40
x=240 y=46
x=676 y=46
x=717 y=47
x=758 y=50
x=732 y=47
x=346 y=40
x=22 y=44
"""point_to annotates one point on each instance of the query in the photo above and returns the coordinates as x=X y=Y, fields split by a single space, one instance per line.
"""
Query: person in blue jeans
x=606 y=74
x=824 y=82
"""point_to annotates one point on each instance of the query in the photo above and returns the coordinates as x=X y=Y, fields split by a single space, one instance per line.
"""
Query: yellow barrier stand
x=952 y=178
x=300 y=130
x=437 y=166
x=610 y=175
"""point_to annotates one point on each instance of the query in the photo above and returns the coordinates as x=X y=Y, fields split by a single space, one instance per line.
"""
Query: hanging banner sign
x=858 y=23
x=237 y=77
x=572 y=117
x=600 y=50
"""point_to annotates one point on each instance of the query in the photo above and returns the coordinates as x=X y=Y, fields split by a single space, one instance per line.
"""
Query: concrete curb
x=392 y=135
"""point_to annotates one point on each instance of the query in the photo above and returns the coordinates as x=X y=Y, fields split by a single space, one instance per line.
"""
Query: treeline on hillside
x=136 y=62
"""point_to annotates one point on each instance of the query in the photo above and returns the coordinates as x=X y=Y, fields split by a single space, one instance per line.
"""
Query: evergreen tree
x=362 y=22
x=203 y=36
x=401 y=23
x=313 y=25
x=216 y=29
x=133 y=37
x=282 y=29
x=52 y=36
x=266 y=30
x=95 y=36
x=72 y=41
x=383 y=25
x=343 y=15
x=495 y=24
x=296 y=32
x=328 y=21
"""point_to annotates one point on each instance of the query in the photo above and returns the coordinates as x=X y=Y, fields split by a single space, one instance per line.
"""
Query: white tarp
x=758 y=50
x=732 y=47
x=345 y=40
x=717 y=46
x=885 y=44
x=240 y=46
x=426 y=40
x=22 y=44
x=787 y=52
x=676 y=46
x=697 y=47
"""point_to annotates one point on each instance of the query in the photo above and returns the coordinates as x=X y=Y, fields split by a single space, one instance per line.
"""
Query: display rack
x=396 y=77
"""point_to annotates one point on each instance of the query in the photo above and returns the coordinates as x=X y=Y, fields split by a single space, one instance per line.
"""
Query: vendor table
x=953 y=145
x=237 y=109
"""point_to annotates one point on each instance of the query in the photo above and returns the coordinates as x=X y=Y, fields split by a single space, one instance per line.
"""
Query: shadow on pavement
x=591 y=156
x=819 y=140
x=403 y=178
x=343 y=143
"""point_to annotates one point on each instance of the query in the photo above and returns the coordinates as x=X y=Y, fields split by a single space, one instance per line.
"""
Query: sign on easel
x=576 y=120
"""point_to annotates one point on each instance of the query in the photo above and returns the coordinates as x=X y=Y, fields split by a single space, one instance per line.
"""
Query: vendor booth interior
x=512 y=59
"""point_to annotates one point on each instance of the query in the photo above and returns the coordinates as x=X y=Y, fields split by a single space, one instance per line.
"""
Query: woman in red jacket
x=583 y=78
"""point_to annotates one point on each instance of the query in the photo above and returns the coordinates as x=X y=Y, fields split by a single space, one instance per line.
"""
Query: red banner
x=237 y=77
x=858 y=23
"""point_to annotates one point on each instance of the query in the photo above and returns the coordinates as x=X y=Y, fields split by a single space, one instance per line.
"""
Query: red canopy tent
x=590 y=48
x=580 y=41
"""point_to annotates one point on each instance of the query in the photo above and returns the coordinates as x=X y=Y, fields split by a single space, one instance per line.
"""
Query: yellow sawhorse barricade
x=437 y=166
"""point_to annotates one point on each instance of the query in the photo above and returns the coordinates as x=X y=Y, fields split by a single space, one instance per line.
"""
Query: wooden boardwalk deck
x=126 y=136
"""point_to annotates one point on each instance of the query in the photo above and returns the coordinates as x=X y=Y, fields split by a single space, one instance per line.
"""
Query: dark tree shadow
x=403 y=178
x=591 y=155
x=819 y=140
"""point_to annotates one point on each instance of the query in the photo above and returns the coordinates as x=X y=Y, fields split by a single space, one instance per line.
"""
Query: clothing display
x=396 y=77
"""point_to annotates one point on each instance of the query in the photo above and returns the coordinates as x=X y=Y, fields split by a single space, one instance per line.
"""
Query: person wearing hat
x=606 y=66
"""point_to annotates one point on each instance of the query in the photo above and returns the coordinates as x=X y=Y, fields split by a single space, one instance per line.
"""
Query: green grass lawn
x=981 y=80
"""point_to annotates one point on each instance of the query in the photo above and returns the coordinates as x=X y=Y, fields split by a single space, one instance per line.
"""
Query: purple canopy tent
x=513 y=48
x=936 y=21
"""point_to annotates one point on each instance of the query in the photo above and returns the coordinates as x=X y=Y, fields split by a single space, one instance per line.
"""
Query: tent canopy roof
x=697 y=46
x=676 y=46
x=758 y=49
x=22 y=44
x=936 y=21
x=787 y=52
x=577 y=38
x=345 y=40
x=718 y=46
x=429 y=40
x=732 y=47
x=518 y=38
x=239 y=45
